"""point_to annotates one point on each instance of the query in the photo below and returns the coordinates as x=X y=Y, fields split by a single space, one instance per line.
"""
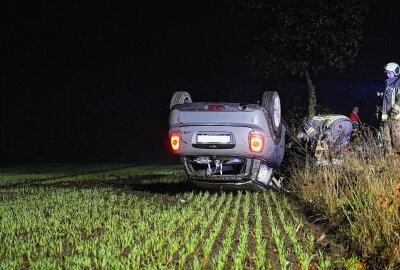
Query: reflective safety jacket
x=391 y=100
x=322 y=124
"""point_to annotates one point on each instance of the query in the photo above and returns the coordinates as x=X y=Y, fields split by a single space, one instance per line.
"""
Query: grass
x=124 y=217
x=358 y=201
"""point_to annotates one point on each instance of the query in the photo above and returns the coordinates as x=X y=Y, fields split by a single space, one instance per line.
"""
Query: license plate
x=217 y=138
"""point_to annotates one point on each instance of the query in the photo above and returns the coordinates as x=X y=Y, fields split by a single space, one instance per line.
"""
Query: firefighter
x=355 y=119
x=391 y=110
x=332 y=133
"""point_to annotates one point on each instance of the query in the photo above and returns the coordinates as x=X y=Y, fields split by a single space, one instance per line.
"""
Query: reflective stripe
x=329 y=118
x=384 y=117
x=321 y=118
x=310 y=130
x=393 y=97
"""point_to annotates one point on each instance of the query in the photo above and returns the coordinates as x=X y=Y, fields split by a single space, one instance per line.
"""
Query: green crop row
x=57 y=227
x=84 y=173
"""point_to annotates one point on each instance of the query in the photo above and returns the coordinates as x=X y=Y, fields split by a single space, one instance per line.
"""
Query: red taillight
x=256 y=141
x=215 y=107
x=175 y=139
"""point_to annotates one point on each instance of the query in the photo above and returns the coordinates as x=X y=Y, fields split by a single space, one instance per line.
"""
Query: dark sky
x=92 y=80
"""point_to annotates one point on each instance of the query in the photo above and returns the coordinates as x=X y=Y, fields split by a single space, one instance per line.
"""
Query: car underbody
x=228 y=173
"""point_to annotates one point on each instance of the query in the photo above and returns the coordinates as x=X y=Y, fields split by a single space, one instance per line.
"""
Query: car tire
x=272 y=104
x=180 y=98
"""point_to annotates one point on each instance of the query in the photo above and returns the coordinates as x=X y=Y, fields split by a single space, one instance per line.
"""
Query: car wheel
x=272 y=103
x=180 y=98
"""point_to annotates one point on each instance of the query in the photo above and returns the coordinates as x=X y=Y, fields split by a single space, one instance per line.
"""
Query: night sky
x=92 y=80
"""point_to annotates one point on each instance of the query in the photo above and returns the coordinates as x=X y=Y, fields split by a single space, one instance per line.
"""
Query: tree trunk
x=312 y=100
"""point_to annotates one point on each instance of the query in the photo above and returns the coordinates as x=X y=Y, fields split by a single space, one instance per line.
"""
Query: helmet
x=392 y=67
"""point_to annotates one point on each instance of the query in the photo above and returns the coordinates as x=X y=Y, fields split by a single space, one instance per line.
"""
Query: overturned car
x=228 y=145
